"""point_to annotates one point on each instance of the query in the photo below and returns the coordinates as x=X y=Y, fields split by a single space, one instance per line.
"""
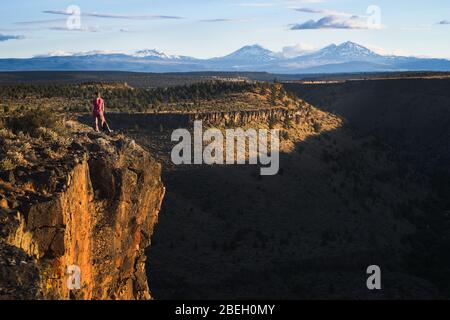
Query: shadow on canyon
x=342 y=201
x=412 y=115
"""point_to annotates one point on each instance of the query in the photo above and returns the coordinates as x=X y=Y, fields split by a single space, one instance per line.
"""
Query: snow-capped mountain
x=152 y=53
x=347 y=54
x=254 y=58
x=61 y=53
x=345 y=57
x=352 y=57
x=348 y=50
x=254 y=53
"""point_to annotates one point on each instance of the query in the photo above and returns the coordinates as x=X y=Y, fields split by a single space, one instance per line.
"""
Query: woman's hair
x=97 y=94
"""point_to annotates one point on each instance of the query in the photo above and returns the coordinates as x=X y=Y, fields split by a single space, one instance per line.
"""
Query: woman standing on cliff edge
x=98 y=111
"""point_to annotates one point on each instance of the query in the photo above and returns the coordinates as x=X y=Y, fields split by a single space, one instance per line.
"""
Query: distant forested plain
x=208 y=95
x=146 y=80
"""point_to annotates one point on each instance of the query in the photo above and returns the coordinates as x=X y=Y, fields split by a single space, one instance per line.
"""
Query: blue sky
x=208 y=28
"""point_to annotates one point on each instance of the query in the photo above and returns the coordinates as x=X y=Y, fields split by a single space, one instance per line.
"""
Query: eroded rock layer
x=93 y=206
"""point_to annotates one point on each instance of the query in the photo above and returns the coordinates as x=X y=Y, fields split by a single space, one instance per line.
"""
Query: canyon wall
x=413 y=115
x=174 y=120
x=94 y=209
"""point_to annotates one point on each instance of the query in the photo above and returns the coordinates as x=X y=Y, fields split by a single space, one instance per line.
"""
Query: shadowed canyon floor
x=336 y=207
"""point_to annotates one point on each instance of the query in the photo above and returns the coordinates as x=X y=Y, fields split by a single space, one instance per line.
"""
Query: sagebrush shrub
x=7 y=164
x=31 y=121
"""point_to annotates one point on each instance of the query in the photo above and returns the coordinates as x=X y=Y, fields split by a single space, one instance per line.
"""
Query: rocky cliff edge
x=82 y=201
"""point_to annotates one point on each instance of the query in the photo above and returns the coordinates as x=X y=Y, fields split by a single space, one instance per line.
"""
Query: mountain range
x=343 y=58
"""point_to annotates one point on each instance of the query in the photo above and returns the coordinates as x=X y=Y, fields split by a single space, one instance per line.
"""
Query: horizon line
x=280 y=53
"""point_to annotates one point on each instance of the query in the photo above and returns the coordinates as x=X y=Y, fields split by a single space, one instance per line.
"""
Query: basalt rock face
x=412 y=115
x=93 y=208
x=182 y=120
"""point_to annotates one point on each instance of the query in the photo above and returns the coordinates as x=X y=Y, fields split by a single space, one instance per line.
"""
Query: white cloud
x=323 y=11
x=254 y=4
x=332 y=22
x=81 y=29
x=377 y=49
x=113 y=16
x=384 y=52
x=297 y=50
x=40 y=22
x=224 y=20
x=300 y=2
x=333 y=19
x=7 y=37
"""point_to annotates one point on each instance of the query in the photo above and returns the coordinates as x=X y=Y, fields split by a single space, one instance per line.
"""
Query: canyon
x=409 y=114
x=311 y=231
x=174 y=120
x=351 y=191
